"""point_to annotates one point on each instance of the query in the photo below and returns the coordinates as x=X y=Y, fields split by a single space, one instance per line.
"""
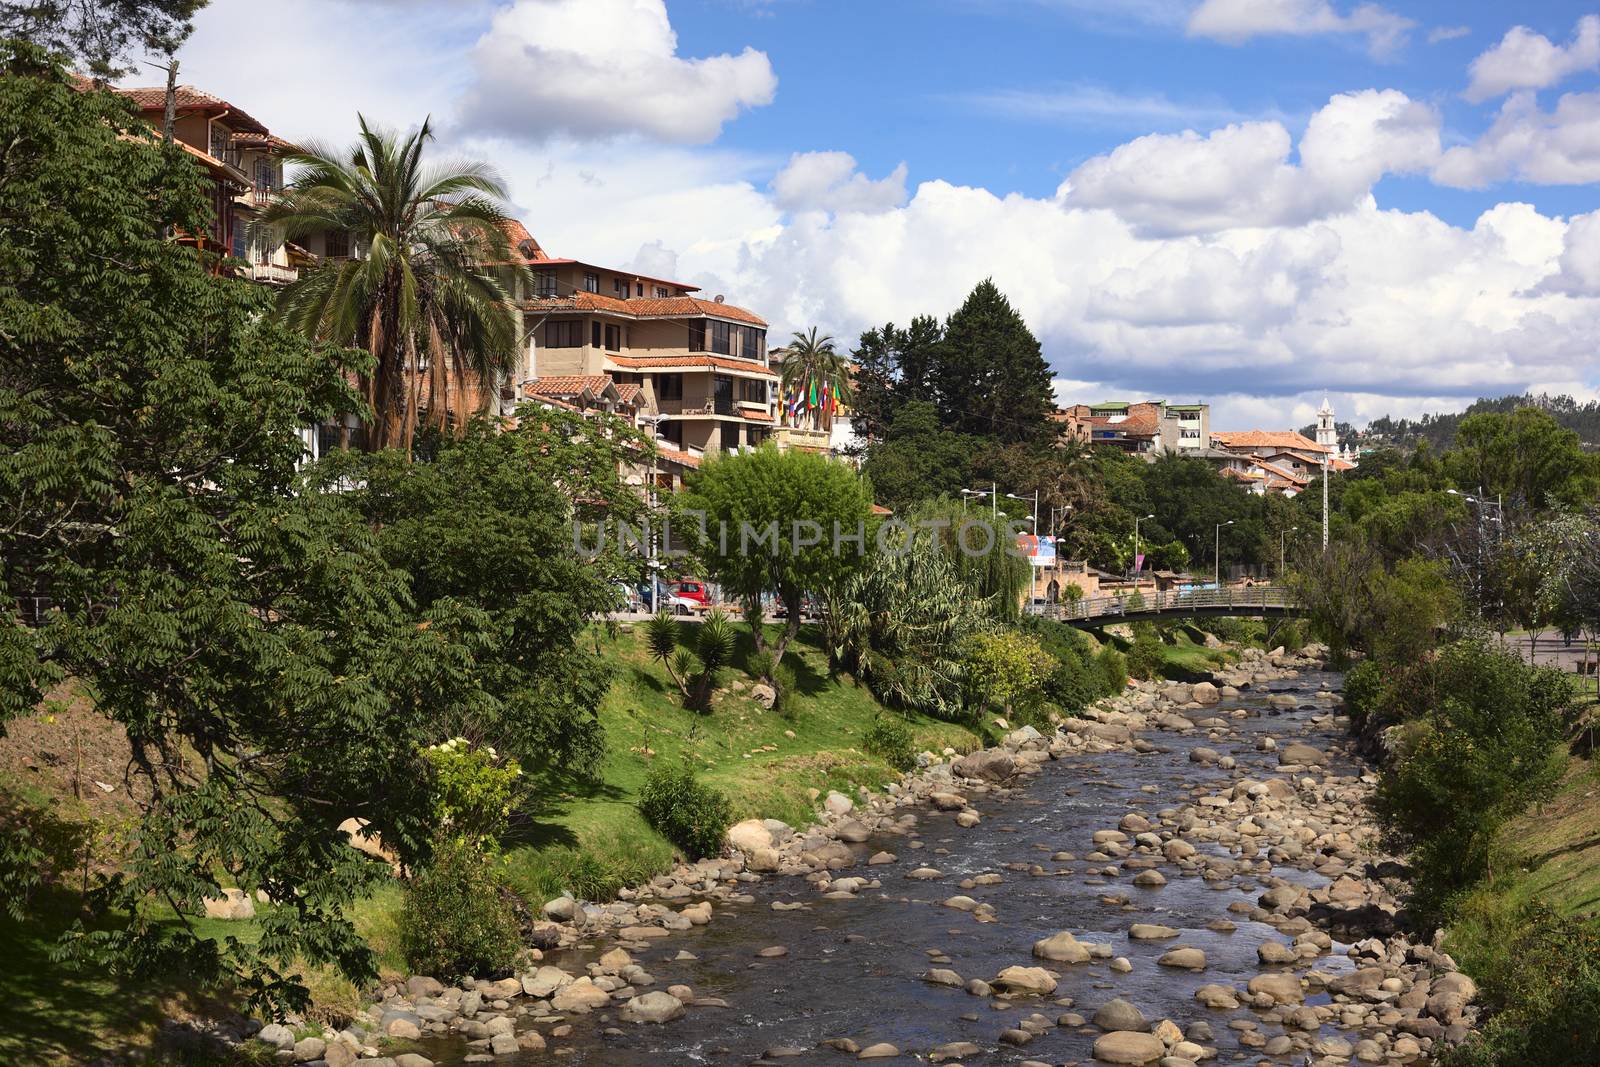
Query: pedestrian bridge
x=1255 y=600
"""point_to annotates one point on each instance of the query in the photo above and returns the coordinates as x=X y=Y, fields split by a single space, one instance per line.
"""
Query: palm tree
x=433 y=297
x=811 y=365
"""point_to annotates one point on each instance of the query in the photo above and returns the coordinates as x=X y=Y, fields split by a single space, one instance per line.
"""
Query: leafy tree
x=917 y=459
x=875 y=357
x=433 y=296
x=917 y=356
x=266 y=662
x=1007 y=667
x=101 y=35
x=770 y=523
x=815 y=369
x=990 y=376
x=1525 y=457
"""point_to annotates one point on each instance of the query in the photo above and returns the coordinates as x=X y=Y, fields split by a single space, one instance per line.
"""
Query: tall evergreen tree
x=990 y=377
x=874 y=357
x=916 y=355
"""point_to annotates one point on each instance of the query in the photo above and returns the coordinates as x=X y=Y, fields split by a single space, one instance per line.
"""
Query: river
x=853 y=967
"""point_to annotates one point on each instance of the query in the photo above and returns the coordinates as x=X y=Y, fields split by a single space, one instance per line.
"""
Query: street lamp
x=654 y=564
x=1013 y=496
x=992 y=493
x=1216 y=554
x=1137 y=519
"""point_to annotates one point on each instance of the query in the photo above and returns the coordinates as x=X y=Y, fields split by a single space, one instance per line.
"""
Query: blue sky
x=1251 y=202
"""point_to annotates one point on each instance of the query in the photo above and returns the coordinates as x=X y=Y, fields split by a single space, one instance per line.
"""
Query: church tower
x=1327 y=436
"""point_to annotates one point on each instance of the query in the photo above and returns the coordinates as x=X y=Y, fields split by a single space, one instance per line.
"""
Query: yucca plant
x=696 y=672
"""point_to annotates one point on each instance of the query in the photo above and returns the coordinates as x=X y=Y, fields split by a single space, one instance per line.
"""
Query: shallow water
x=853 y=966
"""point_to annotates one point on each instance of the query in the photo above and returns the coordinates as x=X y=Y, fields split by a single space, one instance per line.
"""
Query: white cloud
x=829 y=181
x=1447 y=33
x=1241 y=175
x=597 y=69
x=1578 y=272
x=1237 y=21
x=1094 y=105
x=1527 y=60
x=1560 y=147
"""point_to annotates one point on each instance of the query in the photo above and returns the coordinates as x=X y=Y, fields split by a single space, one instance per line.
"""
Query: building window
x=544 y=283
x=753 y=390
x=661 y=292
x=565 y=334
x=336 y=244
x=619 y=287
x=752 y=342
x=613 y=338
x=591 y=282
x=669 y=387
x=697 y=335
x=721 y=340
x=641 y=288
x=730 y=436
x=594 y=334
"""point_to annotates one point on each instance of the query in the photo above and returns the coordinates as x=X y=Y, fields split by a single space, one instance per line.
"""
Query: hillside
x=1439 y=430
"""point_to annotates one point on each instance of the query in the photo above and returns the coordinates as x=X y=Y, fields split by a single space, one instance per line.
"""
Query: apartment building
x=1149 y=428
x=700 y=367
x=244 y=162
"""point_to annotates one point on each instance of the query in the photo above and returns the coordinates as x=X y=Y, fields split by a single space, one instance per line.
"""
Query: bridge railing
x=1244 y=599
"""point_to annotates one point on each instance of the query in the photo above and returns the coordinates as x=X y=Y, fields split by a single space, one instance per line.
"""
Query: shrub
x=471 y=790
x=685 y=811
x=889 y=738
x=1145 y=656
x=694 y=673
x=457 y=919
x=1544 y=989
x=1113 y=669
x=1008 y=667
x=1489 y=746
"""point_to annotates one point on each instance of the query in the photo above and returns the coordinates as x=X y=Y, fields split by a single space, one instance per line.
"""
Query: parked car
x=691 y=589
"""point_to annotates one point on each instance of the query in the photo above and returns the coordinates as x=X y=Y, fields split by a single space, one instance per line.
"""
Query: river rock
x=749 y=835
x=881 y=1051
x=1299 y=753
x=580 y=997
x=1204 y=693
x=1150 y=932
x=277 y=1035
x=1282 y=988
x=1030 y=980
x=1119 y=1014
x=1061 y=948
x=653 y=1007
x=1128 y=1047
x=1150 y=879
x=233 y=904
x=837 y=803
x=989 y=765
x=1184 y=956
x=545 y=981
x=1217 y=997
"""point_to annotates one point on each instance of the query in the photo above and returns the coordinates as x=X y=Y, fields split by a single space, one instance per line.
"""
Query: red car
x=692 y=589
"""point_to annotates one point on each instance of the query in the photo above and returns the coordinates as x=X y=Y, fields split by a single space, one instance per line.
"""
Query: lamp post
x=1216 y=554
x=1282 y=565
x=1013 y=496
x=1137 y=519
x=1481 y=501
x=994 y=509
x=653 y=564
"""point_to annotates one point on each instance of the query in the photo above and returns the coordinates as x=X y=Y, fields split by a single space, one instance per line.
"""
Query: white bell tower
x=1327 y=436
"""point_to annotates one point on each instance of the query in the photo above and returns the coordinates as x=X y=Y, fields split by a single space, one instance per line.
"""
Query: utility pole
x=1324 y=502
x=1137 y=519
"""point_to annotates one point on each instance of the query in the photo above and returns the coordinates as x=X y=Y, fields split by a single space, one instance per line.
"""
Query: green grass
x=1550 y=855
x=591 y=839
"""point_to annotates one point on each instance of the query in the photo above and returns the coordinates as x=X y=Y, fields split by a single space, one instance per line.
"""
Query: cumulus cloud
x=1237 y=21
x=597 y=69
x=1242 y=176
x=1559 y=147
x=829 y=181
x=1527 y=60
x=1578 y=269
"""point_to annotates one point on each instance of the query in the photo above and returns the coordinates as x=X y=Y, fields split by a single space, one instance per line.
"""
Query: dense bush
x=1543 y=986
x=471 y=790
x=1486 y=746
x=1075 y=682
x=889 y=738
x=685 y=811
x=1144 y=655
x=457 y=919
x=1006 y=667
x=1113 y=669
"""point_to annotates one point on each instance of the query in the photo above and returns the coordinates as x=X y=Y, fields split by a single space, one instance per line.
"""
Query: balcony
x=273 y=274
x=261 y=195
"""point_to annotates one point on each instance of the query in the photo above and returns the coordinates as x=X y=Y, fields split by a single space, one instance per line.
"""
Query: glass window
x=591 y=282
x=753 y=390
x=565 y=334
x=336 y=244
x=613 y=338
x=697 y=335
x=730 y=436
x=669 y=387
x=661 y=292
x=544 y=283
x=641 y=288
x=594 y=334
x=721 y=341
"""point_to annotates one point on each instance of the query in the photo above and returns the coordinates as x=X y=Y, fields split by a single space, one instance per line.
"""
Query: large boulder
x=989 y=765
x=653 y=1007
x=580 y=997
x=1119 y=1014
x=749 y=835
x=1205 y=693
x=1301 y=754
x=1061 y=948
x=1184 y=956
x=1031 y=980
x=545 y=981
x=1129 y=1047
x=1282 y=988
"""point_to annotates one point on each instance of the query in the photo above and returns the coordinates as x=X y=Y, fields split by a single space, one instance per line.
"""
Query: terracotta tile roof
x=1251 y=439
x=672 y=307
x=154 y=98
x=569 y=384
x=755 y=415
x=1273 y=470
x=879 y=509
x=672 y=455
x=628 y=392
x=694 y=360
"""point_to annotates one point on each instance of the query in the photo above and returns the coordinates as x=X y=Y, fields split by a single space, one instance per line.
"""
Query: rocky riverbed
x=1186 y=874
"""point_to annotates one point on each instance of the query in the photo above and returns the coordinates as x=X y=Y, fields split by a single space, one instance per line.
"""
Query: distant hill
x=1440 y=430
